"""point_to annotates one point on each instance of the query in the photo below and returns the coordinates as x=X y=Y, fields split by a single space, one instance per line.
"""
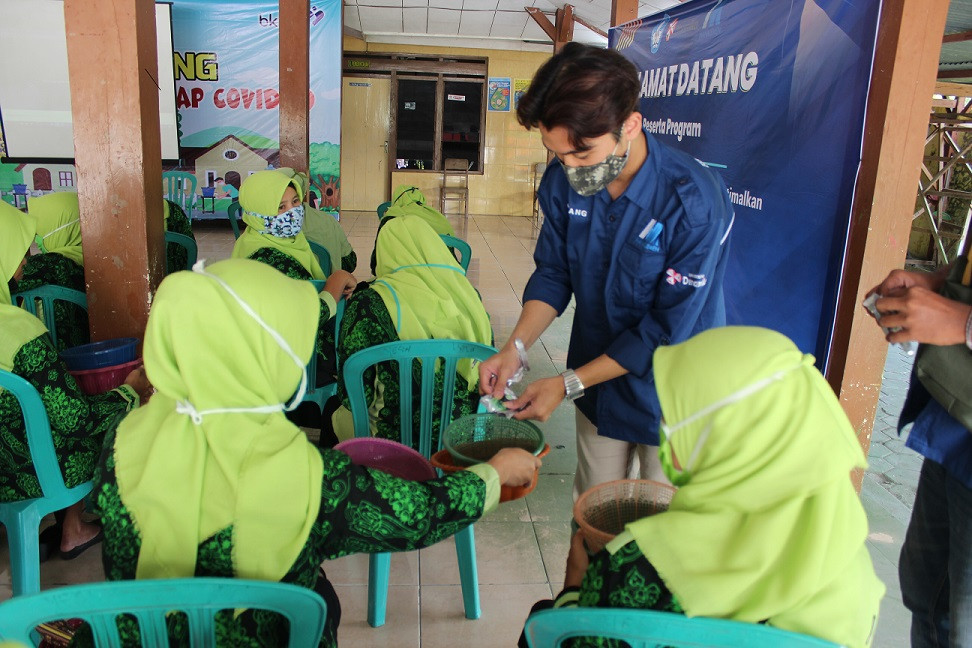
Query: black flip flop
x=81 y=548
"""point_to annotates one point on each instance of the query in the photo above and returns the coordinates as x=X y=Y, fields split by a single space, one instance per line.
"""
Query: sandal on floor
x=81 y=548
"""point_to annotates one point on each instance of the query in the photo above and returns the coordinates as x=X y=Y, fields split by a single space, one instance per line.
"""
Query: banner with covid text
x=227 y=95
x=772 y=94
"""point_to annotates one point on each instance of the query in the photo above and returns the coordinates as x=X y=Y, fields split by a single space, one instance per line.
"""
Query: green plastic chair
x=40 y=302
x=651 y=628
x=183 y=241
x=149 y=601
x=465 y=252
x=320 y=394
x=382 y=208
x=233 y=213
x=322 y=257
x=22 y=519
x=404 y=352
x=180 y=188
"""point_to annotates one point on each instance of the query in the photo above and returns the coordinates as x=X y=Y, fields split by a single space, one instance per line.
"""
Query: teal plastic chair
x=382 y=208
x=465 y=252
x=149 y=601
x=320 y=394
x=404 y=353
x=22 y=519
x=183 y=241
x=180 y=188
x=40 y=302
x=322 y=257
x=233 y=213
x=650 y=629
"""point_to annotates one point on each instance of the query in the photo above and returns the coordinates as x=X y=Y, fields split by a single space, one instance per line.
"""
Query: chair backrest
x=404 y=352
x=38 y=428
x=650 y=629
x=455 y=173
x=322 y=257
x=382 y=208
x=40 y=302
x=465 y=252
x=149 y=601
x=233 y=213
x=180 y=188
x=182 y=241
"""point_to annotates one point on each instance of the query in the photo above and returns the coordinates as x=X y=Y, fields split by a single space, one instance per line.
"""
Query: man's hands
x=910 y=300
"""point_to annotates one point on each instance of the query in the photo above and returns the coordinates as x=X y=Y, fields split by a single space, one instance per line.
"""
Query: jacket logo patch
x=675 y=278
x=574 y=211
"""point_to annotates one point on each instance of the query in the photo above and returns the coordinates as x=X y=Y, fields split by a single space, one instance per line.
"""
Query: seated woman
x=60 y=262
x=410 y=201
x=175 y=220
x=420 y=293
x=78 y=422
x=323 y=229
x=766 y=526
x=253 y=498
x=274 y=217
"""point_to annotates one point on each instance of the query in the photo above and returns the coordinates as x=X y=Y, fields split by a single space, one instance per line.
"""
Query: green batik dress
x=349 y=261
x=624 y=579
x=176 y=256
x=362 y=511
x=53 y=269
x=367 y=323
x=78 y=422
x=326 y=363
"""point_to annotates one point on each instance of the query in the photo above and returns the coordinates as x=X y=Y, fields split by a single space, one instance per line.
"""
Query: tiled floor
x=522 y=546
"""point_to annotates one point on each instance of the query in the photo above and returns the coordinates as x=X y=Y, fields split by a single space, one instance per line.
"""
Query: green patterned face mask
x=588 y=180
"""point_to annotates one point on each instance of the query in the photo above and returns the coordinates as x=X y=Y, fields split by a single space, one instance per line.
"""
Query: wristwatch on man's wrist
x=573 y=387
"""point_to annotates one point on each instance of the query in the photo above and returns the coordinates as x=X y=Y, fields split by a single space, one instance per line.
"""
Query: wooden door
x=365 y=123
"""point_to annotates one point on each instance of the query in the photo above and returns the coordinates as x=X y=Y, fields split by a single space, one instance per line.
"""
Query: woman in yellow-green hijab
x=60 y=262
x=211 y=479
x=410 y=201
x=322 y=228
x=274 y=215
x=175 y=220
x=78 y=421
x=420 y=293
x=766 y=525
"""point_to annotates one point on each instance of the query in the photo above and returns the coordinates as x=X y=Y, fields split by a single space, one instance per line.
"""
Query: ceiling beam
x=565 y=27
x=953 y=89
x=623 y=11
x=957 y=37
x=594 y=29
x=541 y=19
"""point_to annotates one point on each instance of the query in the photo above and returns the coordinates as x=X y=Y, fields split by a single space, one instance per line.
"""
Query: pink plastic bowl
x=97 y=381
x=388 y=456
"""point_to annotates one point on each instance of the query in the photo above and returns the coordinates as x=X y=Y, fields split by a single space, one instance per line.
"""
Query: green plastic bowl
x=475 y=438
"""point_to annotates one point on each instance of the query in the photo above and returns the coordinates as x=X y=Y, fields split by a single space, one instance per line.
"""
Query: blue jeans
x=936 y=562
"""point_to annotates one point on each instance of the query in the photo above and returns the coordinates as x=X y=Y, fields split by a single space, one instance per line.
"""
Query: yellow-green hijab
x=17 y=326
x=183 y=481
x=58 y=224
x=425 y=290
x=409 y=201
x=768 y=526
x=320 y=227
x=260 y=195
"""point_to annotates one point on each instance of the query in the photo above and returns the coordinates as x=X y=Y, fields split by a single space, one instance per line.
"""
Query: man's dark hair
x=587 y=90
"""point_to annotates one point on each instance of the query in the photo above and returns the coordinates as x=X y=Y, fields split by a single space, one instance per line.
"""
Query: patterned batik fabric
x=176 y=256
x=367 y=323
x=349 y=261
x=623 y=580
x=53 y=269
x=362 y=510
x=78 y=422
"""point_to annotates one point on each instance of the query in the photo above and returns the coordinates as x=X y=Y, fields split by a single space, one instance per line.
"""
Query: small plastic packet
x=494 y=405
x=908 y=347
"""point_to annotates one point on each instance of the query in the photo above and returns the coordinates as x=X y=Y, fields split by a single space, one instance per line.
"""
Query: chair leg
x=379 y=566
x=468 y=573
x=22 y=538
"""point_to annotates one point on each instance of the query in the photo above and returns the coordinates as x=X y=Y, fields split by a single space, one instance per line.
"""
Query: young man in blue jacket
x=638 y=233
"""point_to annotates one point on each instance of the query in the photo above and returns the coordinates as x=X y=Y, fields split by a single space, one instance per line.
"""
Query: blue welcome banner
x=772 y=94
